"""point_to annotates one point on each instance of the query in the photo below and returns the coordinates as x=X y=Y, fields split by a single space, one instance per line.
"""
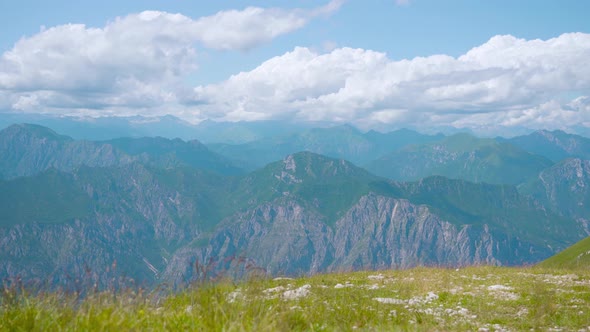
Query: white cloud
x=252 y=26
x=548 y=115
x=134 y=60
x=137 y=65
x=506 y=80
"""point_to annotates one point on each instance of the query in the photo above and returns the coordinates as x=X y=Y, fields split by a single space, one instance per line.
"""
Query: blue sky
x=320 y=49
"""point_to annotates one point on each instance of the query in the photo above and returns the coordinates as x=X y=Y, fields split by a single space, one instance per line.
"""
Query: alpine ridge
x=155 y=208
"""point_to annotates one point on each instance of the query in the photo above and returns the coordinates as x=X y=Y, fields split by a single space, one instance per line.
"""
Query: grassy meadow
x=420 y=299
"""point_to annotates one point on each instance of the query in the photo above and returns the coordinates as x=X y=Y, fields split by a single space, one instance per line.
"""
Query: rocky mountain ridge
x=30 y=149
x=307 y=213
x=461 y=156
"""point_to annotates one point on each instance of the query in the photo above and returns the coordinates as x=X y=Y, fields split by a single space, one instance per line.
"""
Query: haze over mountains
x=300 y=202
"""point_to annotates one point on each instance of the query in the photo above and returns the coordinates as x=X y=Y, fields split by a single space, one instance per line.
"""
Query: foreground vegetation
x=472 y=299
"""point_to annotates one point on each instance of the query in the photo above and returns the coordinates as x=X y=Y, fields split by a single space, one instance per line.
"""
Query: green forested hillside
x=461 y=156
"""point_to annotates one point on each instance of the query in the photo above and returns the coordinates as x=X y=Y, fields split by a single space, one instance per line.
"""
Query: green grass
x=421 y=299
x=575 y=257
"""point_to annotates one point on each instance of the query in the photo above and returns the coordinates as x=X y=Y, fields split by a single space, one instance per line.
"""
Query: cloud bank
x=506 y=81
x=138 y=64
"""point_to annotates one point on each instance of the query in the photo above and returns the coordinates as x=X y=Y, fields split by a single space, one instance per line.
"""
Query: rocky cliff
x=165 y=222
x=378 y=232
x=565 y=189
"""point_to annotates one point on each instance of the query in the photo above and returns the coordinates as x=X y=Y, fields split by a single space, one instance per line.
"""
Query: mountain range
x=154 y=208
x=168 y=126
x=461 y=156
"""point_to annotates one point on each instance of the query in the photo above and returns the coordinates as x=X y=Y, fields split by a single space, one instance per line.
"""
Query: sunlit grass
x=424 y=299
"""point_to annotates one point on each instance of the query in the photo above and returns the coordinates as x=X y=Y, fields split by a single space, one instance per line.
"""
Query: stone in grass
x=302 y=291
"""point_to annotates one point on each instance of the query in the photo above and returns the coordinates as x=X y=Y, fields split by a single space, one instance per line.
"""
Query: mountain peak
x=556 y=145
x=464 y=142
x=347 y=127
x=340 y=129
x=312 y=165
x=552 y=135
x=32 y=130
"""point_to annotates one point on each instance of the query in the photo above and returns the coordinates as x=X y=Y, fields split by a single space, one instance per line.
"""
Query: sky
x=382 y=64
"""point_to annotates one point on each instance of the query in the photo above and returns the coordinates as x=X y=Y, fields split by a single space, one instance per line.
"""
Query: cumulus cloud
x=133 y=60
x=507 y=80
x=137 y=65
x=551 y=115
x=250 y=27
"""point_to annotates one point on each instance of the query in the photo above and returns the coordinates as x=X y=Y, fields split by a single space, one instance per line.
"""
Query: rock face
x=565 y=189
x=381 y=232
x=148 y=215
x=378 y=232
x=132 y=222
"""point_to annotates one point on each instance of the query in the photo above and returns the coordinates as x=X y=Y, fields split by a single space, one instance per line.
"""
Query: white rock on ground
x=302 y=291
x=233 y=296
x=412 y=302
x=274 y=290
x=502 y=292
x=389 y=300
x=376 y=277
x=337 y=286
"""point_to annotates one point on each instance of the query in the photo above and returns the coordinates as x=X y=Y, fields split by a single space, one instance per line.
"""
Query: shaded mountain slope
x=436 y=221
x=343 y=142
x=29 y=149
x=461 y=156
x=132 y=215
x=167 y=153
x=555 y=145
x=304 y=214
x=564 y=188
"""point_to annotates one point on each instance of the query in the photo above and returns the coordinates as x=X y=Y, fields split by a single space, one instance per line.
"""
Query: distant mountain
x=500 y=206
x=48 y=198
x=29 y=149
x=461 y=156
x=345 y=142
x=305 y=214
x=245 y=132
x=575 y=257
x=354 y=220
x=154 y=216
x=167 y=153
x=57 y=225
x=564 y=188
x=327 y=185
x=106 y=128
x=555 y=145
